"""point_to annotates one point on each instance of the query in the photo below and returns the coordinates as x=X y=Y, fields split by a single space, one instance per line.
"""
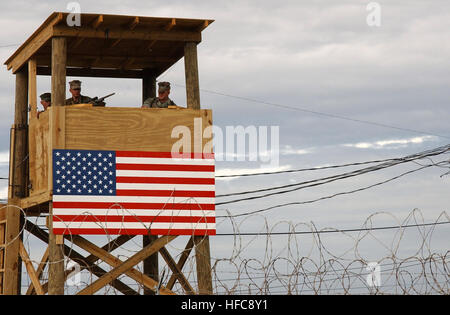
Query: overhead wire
x=317 y=199
x=325 y=180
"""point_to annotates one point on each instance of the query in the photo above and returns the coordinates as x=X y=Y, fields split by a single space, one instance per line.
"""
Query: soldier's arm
x=86 y=99
x=147 y=103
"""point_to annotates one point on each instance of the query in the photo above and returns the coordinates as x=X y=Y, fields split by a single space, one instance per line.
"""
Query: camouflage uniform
x=155 y=102
x=76 y=84
x=82 y=100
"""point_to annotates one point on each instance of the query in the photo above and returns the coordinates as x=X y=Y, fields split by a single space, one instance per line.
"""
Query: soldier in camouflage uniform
x=162 y=100
x=46 y=101
x=77 y=98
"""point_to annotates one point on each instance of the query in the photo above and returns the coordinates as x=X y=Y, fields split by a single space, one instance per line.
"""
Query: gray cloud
x=315 y=55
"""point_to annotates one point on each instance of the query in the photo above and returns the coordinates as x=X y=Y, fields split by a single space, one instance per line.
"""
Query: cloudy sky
x=339 y=90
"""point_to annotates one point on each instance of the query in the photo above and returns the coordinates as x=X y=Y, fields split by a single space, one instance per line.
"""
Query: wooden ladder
x=2 y=246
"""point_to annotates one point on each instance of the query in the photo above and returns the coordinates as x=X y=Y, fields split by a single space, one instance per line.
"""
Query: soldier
x=75 y=90
x=162 y=100
x=46 y=101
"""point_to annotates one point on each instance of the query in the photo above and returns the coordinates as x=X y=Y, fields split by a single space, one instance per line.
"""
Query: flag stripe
x=134 y=199
x=173 y=187
x=127 y=231
x=141 y=160
x=165 y=167
x=165 y=180
x=135 y=225
x=167 y=155
x=133 y=212
x=165 y=193
x=164 y=174
x=131 y=218
x=131 y=205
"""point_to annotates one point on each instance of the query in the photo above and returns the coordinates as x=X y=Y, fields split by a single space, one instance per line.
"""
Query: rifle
x=98 y=101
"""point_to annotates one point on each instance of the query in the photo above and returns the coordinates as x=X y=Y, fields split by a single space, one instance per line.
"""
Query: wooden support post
x=202 y=250
x=59 y=62
x=151 y=267
x=17 y=189
x=56 y=252
x=32 y=88
x=191 y=72
x=32 y=101
x=203 y=262
x=56 y=261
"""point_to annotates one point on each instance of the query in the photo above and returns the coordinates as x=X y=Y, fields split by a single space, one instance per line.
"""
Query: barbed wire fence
x=298 y=258
x=402 y=255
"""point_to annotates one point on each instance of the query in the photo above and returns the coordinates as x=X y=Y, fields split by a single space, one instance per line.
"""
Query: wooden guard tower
x=109 y=46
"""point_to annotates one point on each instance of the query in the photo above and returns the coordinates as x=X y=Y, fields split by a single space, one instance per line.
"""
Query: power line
x=307 y=169
x=325 y=180
x=295 y=108
x=408 y=158
x=318 y=199
x=332 y=231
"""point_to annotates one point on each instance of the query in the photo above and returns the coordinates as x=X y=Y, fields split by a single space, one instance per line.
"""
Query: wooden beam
x=39 y=271
x=20 y=142
x=127 y=267
x=119 y=33
x=184 y=256
x=115 y=56
x=114 y=43
x=105 y=128
x=151 y=44
x=203 y=26
x=32 y=101
x=32 y=88
x=17 y=188
x=191 y=72
x=176 y=271
x=74 y=255
x=59 y=63
x=32 y=45
x=37 y=199
x=133 y=23
x=31 y=272
x=203 y=262
x=171 y=25
x=150 y=264
x=56 y=261
x=127 y=63
x=92 y=72
x=97 y=22
x=76 y=42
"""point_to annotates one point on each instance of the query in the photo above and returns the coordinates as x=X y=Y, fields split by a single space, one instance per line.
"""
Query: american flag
x=130 y=192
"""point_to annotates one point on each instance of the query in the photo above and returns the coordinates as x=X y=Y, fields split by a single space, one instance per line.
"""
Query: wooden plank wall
x=132 y=129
